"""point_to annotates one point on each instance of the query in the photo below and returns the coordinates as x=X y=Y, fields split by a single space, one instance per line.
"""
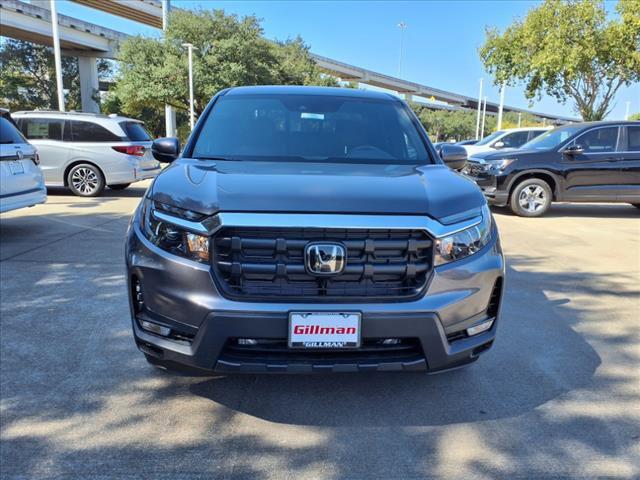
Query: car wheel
x=531 y=198
x=119 y=186
x=86 y=180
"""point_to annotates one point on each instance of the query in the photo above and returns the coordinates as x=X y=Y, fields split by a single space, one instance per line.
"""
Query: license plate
x=16 y=167
x=324 y=330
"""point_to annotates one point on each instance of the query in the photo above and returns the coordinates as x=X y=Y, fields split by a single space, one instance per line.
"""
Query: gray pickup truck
x=307 y=229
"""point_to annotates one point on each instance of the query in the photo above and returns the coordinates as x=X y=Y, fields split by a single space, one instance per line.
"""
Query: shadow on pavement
x=131 y=191
x=78 y=400
x=583 y=210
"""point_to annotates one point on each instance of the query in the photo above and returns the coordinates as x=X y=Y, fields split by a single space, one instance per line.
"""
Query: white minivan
x=507 y=138
x=87 y=152
x=21 y=180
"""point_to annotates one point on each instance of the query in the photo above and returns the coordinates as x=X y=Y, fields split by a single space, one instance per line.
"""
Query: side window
x=633 y=135
x=42 y=128
x=599 y=140
x=91 y=132
x=515 y=139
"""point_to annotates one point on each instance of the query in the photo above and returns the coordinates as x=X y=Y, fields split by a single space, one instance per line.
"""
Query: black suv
x=582 y=162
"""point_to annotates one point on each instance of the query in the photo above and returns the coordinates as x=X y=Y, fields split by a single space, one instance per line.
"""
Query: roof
x=73 y=115
x=526 y=129
x=304 y=90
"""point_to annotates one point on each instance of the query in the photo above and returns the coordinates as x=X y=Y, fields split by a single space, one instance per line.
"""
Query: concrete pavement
x=557 y=397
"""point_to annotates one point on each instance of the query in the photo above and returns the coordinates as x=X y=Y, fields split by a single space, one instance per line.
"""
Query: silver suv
x=87 y=152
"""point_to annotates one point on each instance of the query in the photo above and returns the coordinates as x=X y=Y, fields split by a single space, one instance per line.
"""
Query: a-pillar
x=89 y=86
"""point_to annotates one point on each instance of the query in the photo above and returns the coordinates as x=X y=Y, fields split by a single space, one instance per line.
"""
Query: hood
x=506 y=153
x=209 y=187
x=474 y=149
x=489 y=153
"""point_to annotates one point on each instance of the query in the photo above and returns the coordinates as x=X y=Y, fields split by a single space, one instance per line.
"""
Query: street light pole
x=484 y=114
x=402 y=26
x=57 y=55
x=479 y=111
x=626 y=115
x=169 y=113
x=190 y=49
x=501 y=107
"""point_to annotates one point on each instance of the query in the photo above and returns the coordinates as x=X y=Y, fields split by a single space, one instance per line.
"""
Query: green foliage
x=569 y=50
x=445 y=125
x=28 y=77
x=634 y=116
x=231 y=51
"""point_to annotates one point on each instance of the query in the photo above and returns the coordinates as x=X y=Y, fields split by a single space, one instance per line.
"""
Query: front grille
x=277 y=350
x=262 y=263
x=474 y=169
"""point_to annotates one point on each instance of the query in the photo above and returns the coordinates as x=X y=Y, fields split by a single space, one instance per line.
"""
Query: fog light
x=139 y=297
x=391 y=341
x=481 y=327
x=247 y=341
x=155 y=328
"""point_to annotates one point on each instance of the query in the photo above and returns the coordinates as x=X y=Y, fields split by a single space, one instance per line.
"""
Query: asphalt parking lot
x=557 y=396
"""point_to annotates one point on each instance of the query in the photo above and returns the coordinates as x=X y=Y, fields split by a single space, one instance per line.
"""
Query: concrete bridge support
x=89 y=86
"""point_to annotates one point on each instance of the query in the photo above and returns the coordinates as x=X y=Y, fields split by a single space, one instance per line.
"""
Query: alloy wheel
x=532 y=198
x=85 y=180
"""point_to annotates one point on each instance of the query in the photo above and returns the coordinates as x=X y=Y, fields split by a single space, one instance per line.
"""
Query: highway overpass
x=32 y=22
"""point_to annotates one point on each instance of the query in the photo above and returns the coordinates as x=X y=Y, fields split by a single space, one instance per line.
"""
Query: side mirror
x=574 y=149
x=454 y=156
x=498 y=145
x=165 y=149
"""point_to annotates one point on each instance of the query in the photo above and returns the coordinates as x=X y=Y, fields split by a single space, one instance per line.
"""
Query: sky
x=441 y=39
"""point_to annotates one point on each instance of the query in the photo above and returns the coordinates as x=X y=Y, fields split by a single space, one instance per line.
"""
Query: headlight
x=172 y=238
x=464 y=243
x=498 y=165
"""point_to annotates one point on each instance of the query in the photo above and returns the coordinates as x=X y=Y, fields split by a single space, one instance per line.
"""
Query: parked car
x=510 y=138
x=467 y=142
x=21 y=180
x=86 y=152
x=310 y=229
x=580 y=162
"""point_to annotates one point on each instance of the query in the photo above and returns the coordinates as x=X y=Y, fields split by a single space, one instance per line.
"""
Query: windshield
x=490 y=138
x=310 y=128
x=552 y=138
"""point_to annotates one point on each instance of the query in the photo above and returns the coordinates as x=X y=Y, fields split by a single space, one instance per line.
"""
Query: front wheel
x=531 y=198
x=86 y=180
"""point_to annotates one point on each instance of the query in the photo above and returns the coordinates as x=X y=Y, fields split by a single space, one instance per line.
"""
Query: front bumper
x=492 y=187
x=28 y=198
x=182 y=295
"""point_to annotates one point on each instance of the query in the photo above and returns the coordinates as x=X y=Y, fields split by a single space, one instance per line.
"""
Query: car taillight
x=36 y=158
x=136 y=150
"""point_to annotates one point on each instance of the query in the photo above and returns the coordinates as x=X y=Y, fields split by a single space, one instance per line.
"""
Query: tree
x=231 y=51
x=444 y=125
x=28 y=77
x=569 y=50
x=634 y=116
